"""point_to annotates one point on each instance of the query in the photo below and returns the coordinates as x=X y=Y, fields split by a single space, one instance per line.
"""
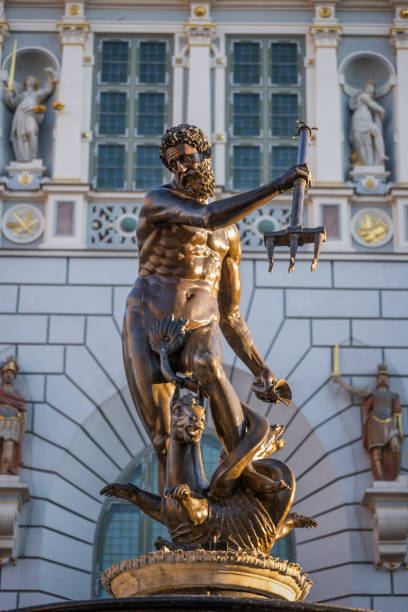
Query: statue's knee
x=207 y=366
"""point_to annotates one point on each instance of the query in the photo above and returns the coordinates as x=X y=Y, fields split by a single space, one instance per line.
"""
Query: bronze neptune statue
x=188 y=291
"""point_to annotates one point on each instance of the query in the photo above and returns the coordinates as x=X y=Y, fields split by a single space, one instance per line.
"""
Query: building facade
x=243 y=71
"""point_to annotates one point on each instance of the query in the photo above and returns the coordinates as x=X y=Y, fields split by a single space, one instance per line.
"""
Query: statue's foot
x=299 y=520
x=258 y=484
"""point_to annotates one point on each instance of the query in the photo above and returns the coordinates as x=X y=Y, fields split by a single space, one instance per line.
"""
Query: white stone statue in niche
x=366 y=131
x=28 y=107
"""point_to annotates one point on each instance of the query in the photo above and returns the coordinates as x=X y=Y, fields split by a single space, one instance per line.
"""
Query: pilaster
x=399 y=38
x=4 y=29
x=326 y=32
x=13 y=493
x=220 y=65
x=179 y=67
x=73 y=33
x=199 y=33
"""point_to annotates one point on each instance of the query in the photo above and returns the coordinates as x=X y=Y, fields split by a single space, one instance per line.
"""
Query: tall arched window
x=124 y=532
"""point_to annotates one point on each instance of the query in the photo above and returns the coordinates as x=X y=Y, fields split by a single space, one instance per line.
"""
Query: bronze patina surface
x=187 y=292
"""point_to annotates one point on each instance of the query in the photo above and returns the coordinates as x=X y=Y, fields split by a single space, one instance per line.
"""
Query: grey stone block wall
x=62 y=318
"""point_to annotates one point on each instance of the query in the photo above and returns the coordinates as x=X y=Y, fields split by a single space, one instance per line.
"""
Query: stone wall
x=62 y=315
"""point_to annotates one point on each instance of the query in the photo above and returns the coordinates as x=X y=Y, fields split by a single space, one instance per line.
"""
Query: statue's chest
x=189 y=238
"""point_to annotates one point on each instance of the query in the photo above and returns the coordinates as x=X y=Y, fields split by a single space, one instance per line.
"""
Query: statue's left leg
x=378 y=145
x=396 y=457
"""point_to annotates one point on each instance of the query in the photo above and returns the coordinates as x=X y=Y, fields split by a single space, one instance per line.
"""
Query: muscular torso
x=184 y=252
x=180 y=269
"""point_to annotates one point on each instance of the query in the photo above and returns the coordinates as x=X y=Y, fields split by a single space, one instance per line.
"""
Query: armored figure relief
x=366 y=131
x=12 y=421
x=29 y=110
x=189 y=255
x=382 y=427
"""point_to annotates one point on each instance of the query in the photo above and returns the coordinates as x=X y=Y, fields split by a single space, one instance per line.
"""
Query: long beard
x=199 y=183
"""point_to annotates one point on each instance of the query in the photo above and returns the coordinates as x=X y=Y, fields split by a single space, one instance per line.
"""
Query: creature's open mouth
x=195 y=434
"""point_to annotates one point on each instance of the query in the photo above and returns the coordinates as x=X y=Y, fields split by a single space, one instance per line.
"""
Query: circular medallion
x=371 y=227
x=325 y=12
x=200 y=11
x=23 y=224
x=126 y=225
x=74 y=9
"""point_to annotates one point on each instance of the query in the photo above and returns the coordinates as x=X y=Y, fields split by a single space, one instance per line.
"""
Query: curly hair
x=189 y=134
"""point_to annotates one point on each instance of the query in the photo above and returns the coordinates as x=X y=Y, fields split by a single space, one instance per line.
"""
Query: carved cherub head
x=187 y=419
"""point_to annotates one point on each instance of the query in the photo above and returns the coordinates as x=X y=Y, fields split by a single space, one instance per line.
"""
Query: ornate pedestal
x=388 y=503
x=231 y=574
x=370 y=180
x=13 y=493
x=25 y=175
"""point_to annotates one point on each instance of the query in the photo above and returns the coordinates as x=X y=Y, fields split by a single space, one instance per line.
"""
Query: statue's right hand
x=287 y=180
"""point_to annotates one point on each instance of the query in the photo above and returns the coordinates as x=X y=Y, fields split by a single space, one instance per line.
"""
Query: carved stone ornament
x=326 y=36
x=25 y=175
x=388 y=504
x=372 y=227
x=239 y=573
x=13 y=493
x=23 y=223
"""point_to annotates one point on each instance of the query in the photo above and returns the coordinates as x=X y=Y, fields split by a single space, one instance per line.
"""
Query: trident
x=296 y=235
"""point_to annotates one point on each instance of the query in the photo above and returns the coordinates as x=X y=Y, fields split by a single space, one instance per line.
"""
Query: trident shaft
x=296 y=235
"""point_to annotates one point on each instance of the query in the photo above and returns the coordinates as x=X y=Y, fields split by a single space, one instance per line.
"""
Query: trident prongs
x=296 y=235
x=320 y=237
x=270 y=246
x=293 y=245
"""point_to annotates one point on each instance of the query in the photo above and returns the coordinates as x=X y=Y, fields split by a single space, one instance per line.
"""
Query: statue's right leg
x=151 y=394
x=376 y=463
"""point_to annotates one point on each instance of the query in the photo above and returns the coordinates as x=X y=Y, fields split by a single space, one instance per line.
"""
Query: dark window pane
x=284 y=114
x=331 y=220
x=283 y=158
x=111 y=162
x=149 y=169
x=65 y=219
x=246 y=62
x=150 y=119
x=246 y=167
x=152 y=62
x=246 y=114
x=284 y=63
x=115 y=56
x=112 y=113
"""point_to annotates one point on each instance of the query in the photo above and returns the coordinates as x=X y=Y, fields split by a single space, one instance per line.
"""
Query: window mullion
x=132 y=113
